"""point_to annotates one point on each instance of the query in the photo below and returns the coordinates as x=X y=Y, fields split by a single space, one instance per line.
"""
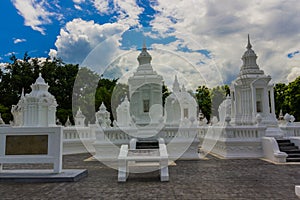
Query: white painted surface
x=54 y=155
x=271 y=150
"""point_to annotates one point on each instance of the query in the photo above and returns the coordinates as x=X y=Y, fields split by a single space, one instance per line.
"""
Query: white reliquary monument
x=79 y=119
x=180 y=106
x=145 y=91
x=252 y=95
x=36 y=109
x=36 y=139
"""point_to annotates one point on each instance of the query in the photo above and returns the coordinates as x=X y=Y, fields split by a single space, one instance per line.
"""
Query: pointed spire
x=176 y=87
x=144 y=57
x=79 y=113
x=249 y=61
x=40 y=80
x=22 y=94
x=144 y=44
x=183 y=88
x=68 y=122
x=102 y=107
x=249 y=46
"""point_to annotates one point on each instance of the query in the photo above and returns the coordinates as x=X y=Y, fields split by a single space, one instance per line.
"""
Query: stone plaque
x=26 y=144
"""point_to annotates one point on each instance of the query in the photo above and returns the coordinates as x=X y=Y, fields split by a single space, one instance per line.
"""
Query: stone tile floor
x=204 y=179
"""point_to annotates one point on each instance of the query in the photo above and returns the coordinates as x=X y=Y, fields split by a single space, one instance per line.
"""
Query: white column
x=253 y=89
x=272 y=100
x=265 y=100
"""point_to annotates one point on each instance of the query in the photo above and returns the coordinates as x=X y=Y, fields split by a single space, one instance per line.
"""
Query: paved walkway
x=205 y=179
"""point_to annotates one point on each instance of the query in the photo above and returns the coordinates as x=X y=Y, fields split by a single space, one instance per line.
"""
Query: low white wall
x=271 y=150
x=78 y=140
x=233 y=141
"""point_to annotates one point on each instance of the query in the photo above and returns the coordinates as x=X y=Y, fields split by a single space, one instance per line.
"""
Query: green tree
x=218 y=94
x=203 y=98
x=85 y=92
x=293 y=98
x=165 y=93
x=280 y=98
x=119 y=92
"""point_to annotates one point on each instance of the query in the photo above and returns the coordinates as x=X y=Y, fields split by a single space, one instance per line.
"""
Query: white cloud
x=77 y=7
x=78 y=1
x=127 y=11
x=222 y=28
x=295 y=72
x=79 y=37
x=10 y=53
x=35 y=13
x=52 y=53
x=102 y=6
x=18 y=40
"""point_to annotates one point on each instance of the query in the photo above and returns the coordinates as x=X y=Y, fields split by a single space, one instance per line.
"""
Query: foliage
x=281 y=102
x=203 y=98
x=165 y=93
x=293 y=98
x=22 y=73
x=218 y=95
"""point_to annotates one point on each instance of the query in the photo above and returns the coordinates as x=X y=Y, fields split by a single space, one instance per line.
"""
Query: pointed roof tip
x=144 y=44
x=22 y=94
x=249 y=46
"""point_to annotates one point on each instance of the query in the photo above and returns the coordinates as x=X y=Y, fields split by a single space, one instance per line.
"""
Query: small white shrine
x=181 y=107
x=252 y=94
x=79 y=119
x=37 y=108
x=103 y=116
x=123 y=114
x=145 y=92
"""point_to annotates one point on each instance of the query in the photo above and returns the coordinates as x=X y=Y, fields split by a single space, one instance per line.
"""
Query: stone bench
x=134 y=156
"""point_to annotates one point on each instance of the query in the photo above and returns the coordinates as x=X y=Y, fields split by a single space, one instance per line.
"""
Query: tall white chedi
x=145 y=91
x=38 y=108
x=252 y=94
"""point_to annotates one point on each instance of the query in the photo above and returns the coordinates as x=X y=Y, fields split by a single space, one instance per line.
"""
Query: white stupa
x=252 y=95
x=145 y=91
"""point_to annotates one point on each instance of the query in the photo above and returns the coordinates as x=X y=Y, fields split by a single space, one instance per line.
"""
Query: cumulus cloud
x=79 y=37
x=18 y=40
x=35 y=13
x=295 y=72
x=222 y=28
x=52 y=53
x=127 y=12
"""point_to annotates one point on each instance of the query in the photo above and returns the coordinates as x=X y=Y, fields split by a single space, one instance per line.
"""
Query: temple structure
x=145 y=92
x=252 y=94
x=37 y=108
x=181 y=107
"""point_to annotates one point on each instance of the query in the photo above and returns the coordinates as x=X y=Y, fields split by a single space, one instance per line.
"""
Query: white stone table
x=143 y=155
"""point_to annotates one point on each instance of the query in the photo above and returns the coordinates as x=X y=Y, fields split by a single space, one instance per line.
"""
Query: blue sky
x=200 y=41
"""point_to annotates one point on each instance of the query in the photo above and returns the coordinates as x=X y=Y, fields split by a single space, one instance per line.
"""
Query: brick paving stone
x=204 y=179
